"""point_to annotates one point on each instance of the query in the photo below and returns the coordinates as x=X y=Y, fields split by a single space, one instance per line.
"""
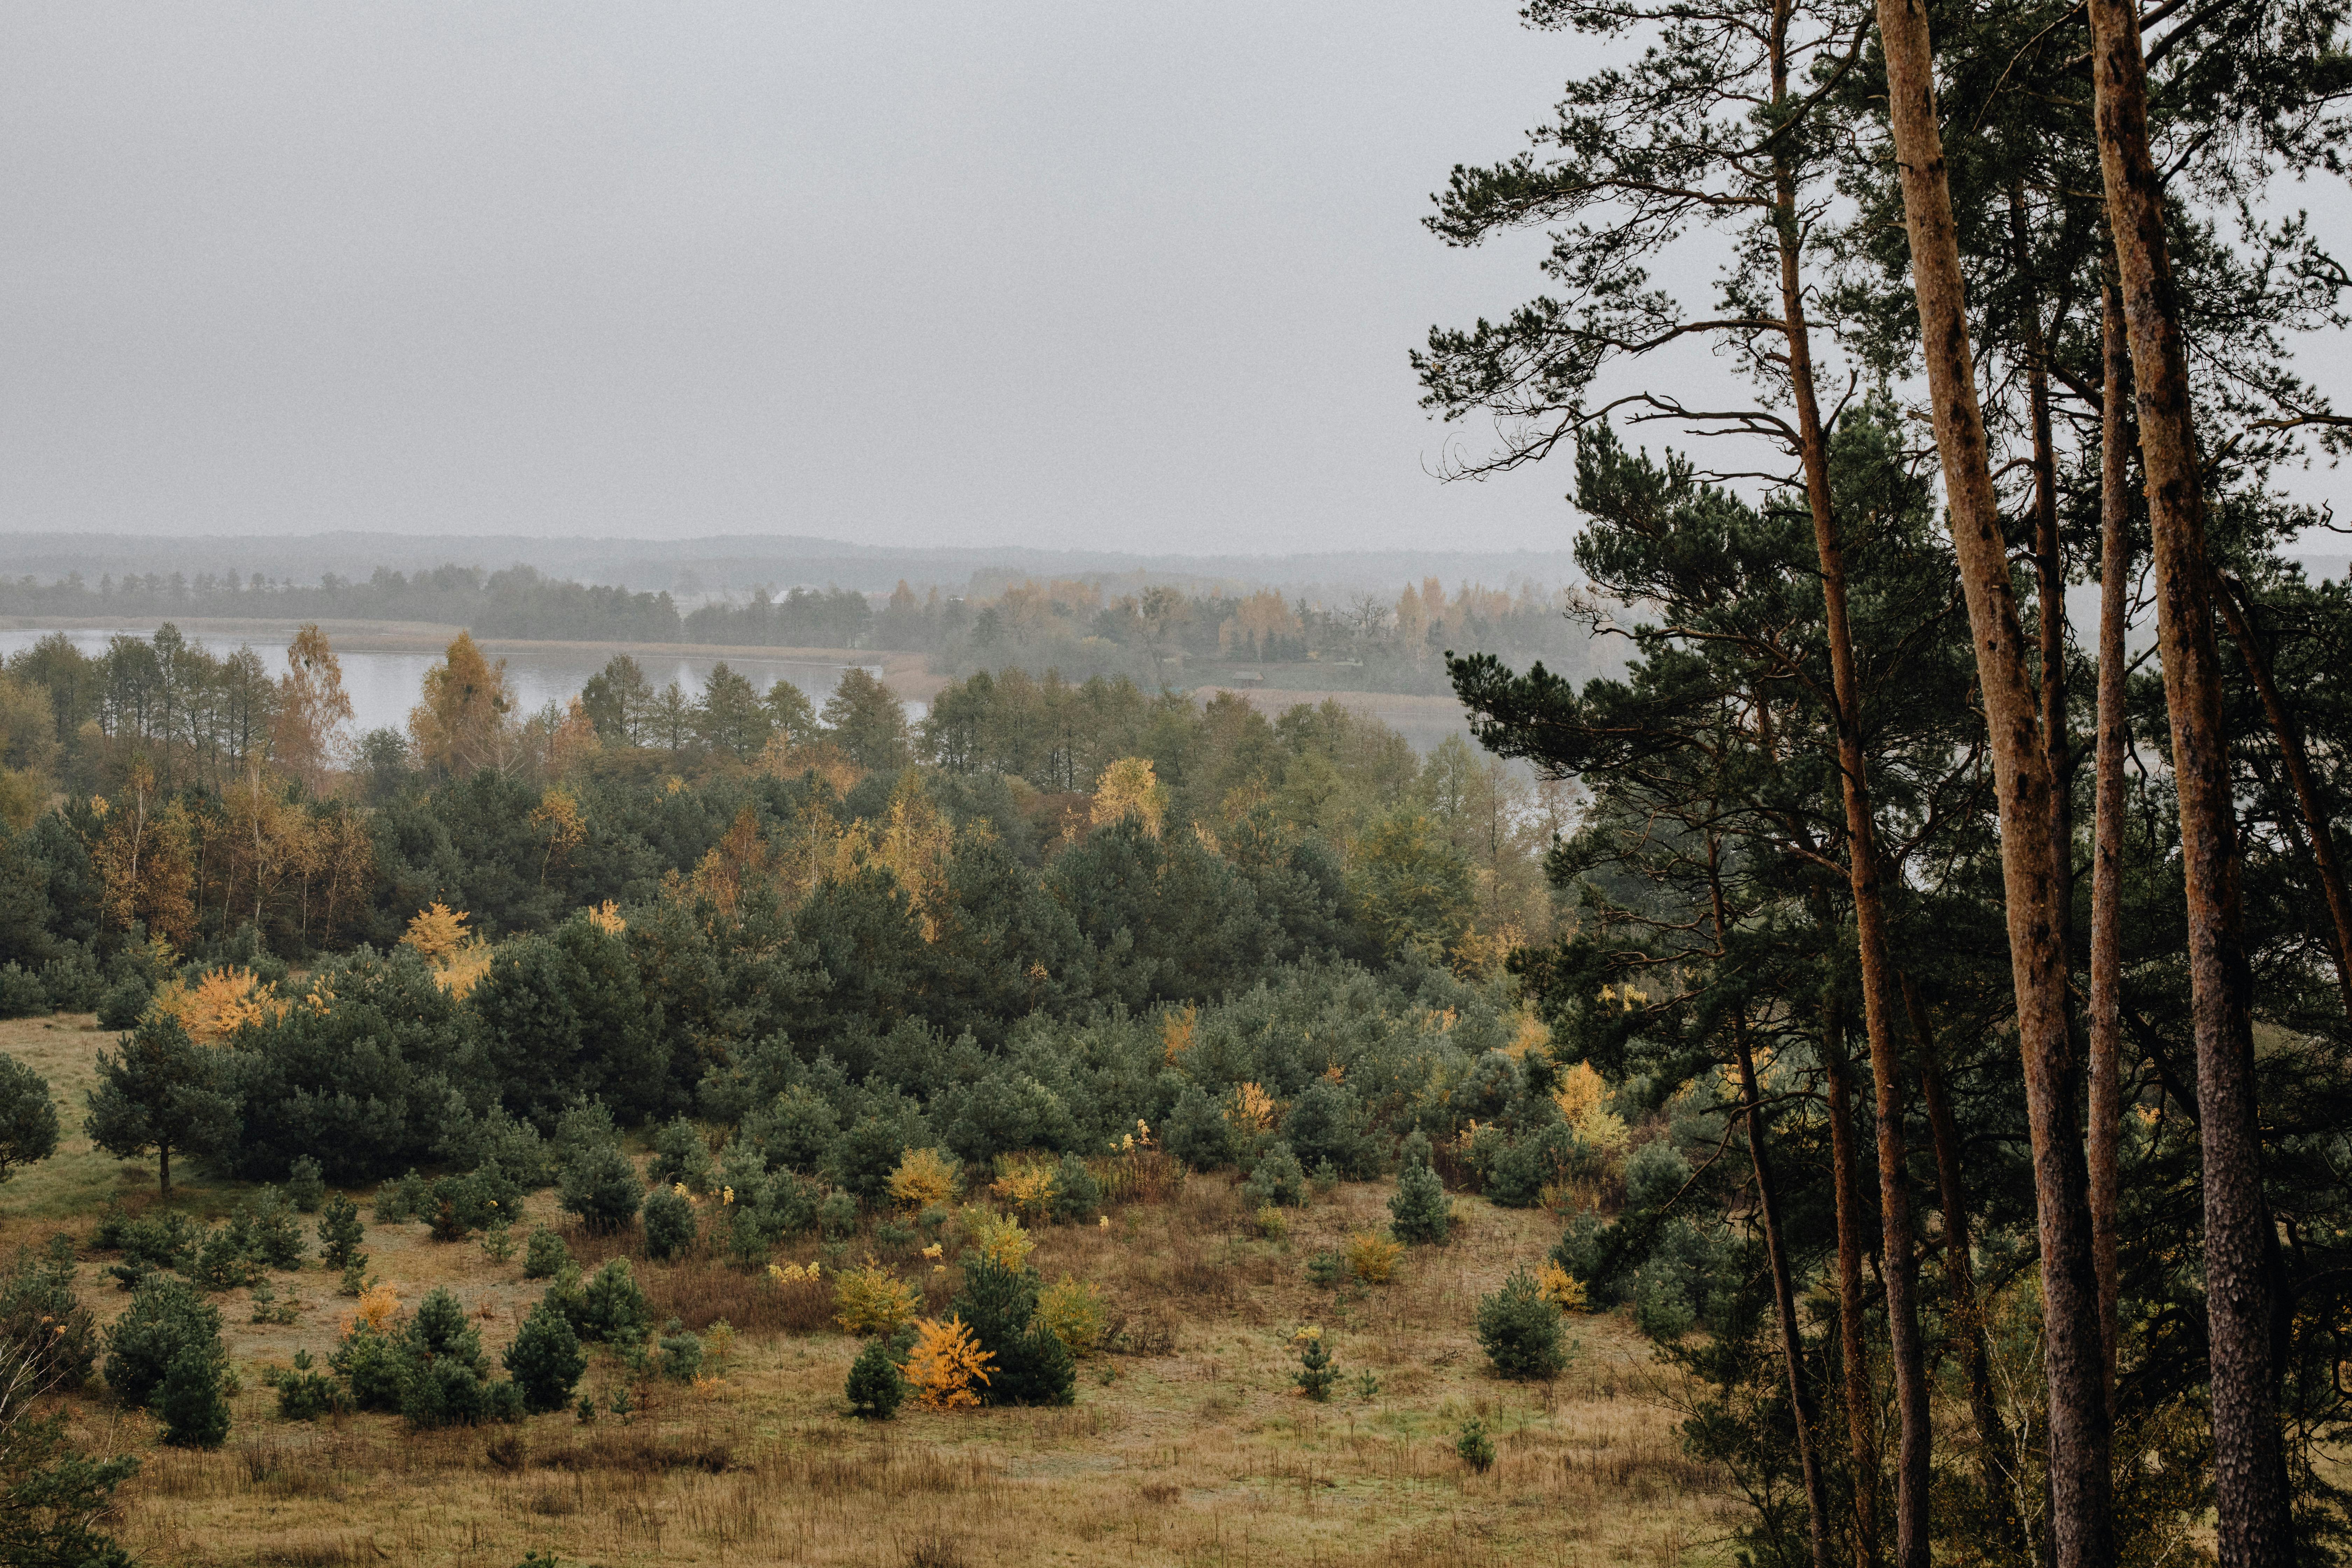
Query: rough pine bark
x=2253 y=1522
x=1965 y=1311
x=1898 y=1264
x=1853 y=1334
x=2102 y=1144
x=2080 y=1485
x=1776 y=1256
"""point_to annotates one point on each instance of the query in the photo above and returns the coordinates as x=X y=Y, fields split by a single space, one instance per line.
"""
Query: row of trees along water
x=1360 y=641
x=2014 y=954
x=202 y=811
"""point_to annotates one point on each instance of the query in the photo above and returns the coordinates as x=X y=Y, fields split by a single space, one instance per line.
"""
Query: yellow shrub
x=606 y=917
x=997 y=1236
x=1373 y=1255
x=1249 y=1108
x=379 y=1305
x=924 y=1177
x=436 y=933
x=1029 y=1188
x=1075 y=1313
x=944 y=1363
x=1579 y=1098
x=1560 y=1287
x=871 y=1300
x=793 y=1273
x=221 y=1003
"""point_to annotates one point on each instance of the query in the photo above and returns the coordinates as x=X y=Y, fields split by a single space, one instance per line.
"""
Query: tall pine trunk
x=2080 y=1485
x=2254 y=1525
x=1776 y=1256
x=1899 y=1263
x=2102 y=1145
x=1853 y=1334
x=1966 y=1311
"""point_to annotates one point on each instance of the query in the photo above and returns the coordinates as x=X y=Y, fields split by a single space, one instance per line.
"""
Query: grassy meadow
x=1188 y=1444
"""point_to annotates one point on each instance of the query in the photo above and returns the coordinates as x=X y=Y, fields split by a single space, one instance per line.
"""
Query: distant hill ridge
x=724 y=563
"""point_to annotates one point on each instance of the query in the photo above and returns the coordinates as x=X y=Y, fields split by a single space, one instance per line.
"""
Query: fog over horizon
x=1050 y=275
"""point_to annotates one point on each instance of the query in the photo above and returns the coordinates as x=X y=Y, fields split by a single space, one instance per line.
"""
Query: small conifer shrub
x=544 y=1255
x=876 y=1388
x=1519 y=1329
x=1316 y=1373
x=1417 y=1212
x=1474 y=1447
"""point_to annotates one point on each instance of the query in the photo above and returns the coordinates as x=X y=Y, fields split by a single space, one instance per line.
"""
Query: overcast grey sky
x=1037 y=271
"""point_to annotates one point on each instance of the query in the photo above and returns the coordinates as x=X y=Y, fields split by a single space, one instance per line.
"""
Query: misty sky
x=1035 y=272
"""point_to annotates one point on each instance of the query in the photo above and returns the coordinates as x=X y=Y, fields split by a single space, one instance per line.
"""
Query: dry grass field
x=1190 y=1446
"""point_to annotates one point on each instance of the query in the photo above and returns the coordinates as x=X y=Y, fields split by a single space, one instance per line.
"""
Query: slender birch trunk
x=2079 y=1429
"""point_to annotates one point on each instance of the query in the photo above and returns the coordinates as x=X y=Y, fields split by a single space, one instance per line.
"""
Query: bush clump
x=545 y=1359
x=600 y=1186
x=1520 y=1330
x=190 y=1400
x=999 y=1304
x=1417 y=1210
x=544 y=1255
x=876 y=1388
x=165 y=1317
x=1279 y=1181
x=671 y=1224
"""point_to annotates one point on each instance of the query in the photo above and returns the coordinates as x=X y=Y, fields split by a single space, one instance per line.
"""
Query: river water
x=383 y=686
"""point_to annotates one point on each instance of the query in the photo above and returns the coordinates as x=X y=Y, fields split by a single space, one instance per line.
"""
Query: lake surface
x=383 y=686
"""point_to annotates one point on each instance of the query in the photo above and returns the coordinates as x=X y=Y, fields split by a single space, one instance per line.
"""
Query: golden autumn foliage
x=1075 y=1313
x=1373 y=1255
x=560 y=825
x=1027 y=1187
x=439 y=934
x=871 y=1299
x=462 y=721
x=1176 y=1029
x=923 y=1177
x=998 y=1238
x=312 y=709
x=1579 y=1097
x=145 y=871
x=946 y=1361
x=1560 y=1287
x=378 y=1306
x=1249 y=1108
x=606 y=917
x=1130 y=787
x=221 y=1003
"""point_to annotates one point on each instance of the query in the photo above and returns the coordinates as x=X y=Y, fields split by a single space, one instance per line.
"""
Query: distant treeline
x=518 y=601
x=1158 y=638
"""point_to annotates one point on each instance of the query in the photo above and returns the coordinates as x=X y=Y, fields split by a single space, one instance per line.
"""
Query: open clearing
x=1192 y=1450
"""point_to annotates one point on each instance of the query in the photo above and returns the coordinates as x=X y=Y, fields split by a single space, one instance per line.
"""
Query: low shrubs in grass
x=1316 y=1373
x=999 y=1304
x=872 y=1301
x=875 y=1387
x=544 y=1255
x=545 y=1359
x=1519 y=1329
x=600 y=1186
x=1074 y=1312
x=1417 y=1210
x=1372 y=1256
x=671 y=1224
x=1474 y=1447
x=165 y=1317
